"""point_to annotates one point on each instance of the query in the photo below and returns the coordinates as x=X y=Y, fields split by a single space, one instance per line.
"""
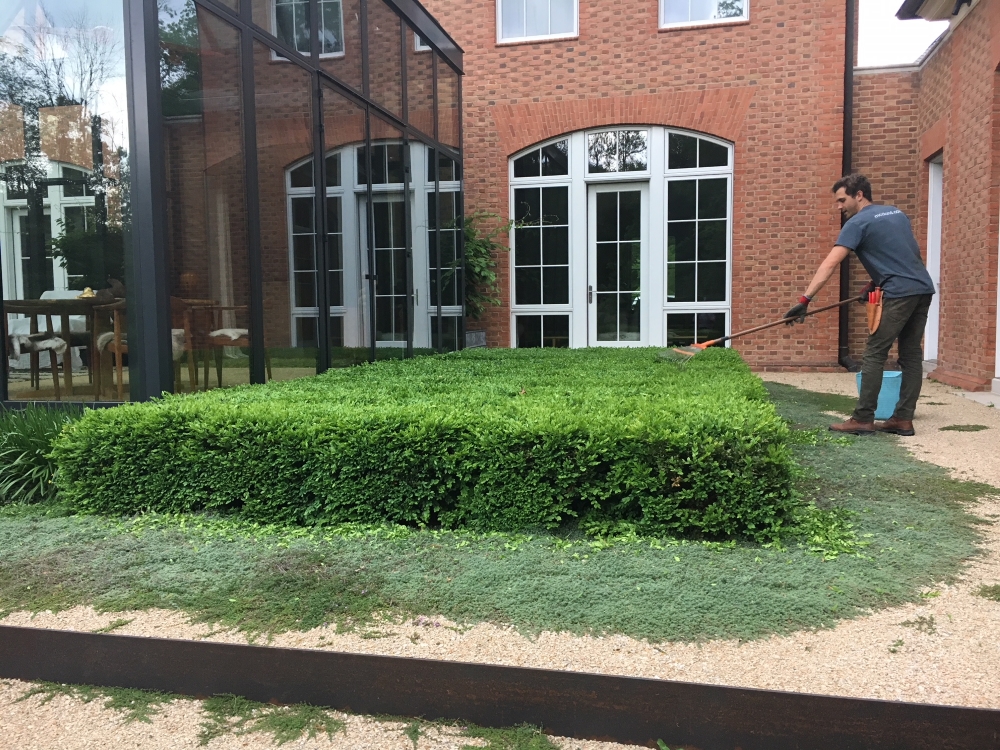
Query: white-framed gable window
x=291 y=26
x=688 y=12
x=522 y=20
x=419 y=45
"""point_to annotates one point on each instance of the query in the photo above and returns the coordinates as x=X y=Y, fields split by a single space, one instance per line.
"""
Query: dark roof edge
x=430 y=29
x=908 y=10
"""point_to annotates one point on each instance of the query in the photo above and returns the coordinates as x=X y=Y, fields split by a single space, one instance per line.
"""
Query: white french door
x=617 y=252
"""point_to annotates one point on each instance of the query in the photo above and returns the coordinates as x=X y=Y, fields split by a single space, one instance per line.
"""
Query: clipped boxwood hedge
x=482 y=439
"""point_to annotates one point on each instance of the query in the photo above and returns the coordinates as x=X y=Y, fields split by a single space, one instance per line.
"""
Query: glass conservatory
x=202 y=193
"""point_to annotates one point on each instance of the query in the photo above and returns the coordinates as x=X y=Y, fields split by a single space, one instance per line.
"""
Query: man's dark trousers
x=903 y=318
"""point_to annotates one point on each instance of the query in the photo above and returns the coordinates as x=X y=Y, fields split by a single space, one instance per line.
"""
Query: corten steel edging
x=622 y=709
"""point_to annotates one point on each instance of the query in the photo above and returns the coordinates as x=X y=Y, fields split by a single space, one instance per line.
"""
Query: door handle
x=590 y=295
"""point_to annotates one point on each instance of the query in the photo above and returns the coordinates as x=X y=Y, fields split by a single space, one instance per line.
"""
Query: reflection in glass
x=693 y=11
x=449 y=111
x=385 y=62
x=696 y=250
x=206 y=212
x=63 y=201
x=289 y=247
x=617 y=151
x=419 y=87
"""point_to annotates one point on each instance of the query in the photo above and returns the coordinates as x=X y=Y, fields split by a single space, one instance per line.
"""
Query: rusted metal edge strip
x=621 y=709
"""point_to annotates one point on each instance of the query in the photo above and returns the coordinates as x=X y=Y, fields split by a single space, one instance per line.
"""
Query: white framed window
x=291 y=26
x=419 y=45
x=640 y=216
x=524 y=20
x=697 y=12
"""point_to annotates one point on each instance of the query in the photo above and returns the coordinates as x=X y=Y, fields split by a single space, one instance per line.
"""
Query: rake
x=690 y=351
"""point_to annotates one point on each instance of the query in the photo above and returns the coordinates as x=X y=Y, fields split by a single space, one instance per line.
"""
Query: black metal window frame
x=151 y=368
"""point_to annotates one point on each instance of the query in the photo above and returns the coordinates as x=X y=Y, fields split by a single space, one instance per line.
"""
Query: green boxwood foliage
x=483 y=439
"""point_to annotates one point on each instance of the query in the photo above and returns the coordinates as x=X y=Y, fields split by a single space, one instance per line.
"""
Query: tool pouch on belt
x=874 y=309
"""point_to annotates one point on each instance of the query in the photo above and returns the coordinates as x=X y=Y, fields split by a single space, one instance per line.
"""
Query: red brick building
x=761 y=78
x=929 y=135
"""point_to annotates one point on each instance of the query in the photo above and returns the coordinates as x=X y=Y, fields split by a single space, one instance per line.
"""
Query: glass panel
x=607 y=217
x=729 y=9
x=340 y=40
x=602 y=153
x=555 y=286
x=448 y=170
x=448 y=239
x=675 y=11
x=632 y=149
x=390 y=236
x=344 y=129
x=629 y=215
x=712 y=198
x=702 y=10
x=555 y=331
x=528 y=286
x=302 y=176
x=555 y=205
x=536 y=17
x=711 y=282
x=712 y=154
x=607 y=266
x=527 y=205
x=681 y=199
x=64 y=170
x=449 y=333
x=683 y=149
x=556 y=246
x=680 y=329
x=419 y=88
x=711 y=325
x=527 y=246
x=529 y=331
x=680 y=240
x=385 y=62
x=512 y=18
x=283 y=99
x=628 y=317
x=449 y=105
x=680 y=282
x=711 y=241
x=628 y=266
x=607 y=317
x=562 y=17
x=555 y=158
x=206 y=211
x=527 y=165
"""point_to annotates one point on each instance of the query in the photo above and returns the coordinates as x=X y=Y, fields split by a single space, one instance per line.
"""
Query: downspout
x=843 y=334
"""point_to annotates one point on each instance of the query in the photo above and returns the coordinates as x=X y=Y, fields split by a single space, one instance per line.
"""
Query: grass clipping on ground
x=490 y=440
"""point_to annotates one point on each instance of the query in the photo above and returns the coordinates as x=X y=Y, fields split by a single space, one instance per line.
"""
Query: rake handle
x=780 y=322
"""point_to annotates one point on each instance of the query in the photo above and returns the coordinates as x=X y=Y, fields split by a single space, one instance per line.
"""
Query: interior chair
x=220 y=336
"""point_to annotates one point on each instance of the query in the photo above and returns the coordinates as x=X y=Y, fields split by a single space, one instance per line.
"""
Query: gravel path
x=942 y=650
x=66 y=723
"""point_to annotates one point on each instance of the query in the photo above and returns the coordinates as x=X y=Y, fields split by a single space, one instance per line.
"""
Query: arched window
x=433 y=245
x=621 y=238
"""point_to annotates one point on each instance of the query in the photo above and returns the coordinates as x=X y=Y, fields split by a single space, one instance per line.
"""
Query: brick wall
x=949 y=106
x=772 y=85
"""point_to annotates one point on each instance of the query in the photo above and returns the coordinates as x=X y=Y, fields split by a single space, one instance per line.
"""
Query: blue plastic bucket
x=888 y=397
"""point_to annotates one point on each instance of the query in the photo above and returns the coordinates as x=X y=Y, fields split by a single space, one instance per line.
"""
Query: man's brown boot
x=854 y=427
x=896 y=426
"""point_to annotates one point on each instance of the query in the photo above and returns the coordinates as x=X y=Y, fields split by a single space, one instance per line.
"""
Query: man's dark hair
x=854 y=184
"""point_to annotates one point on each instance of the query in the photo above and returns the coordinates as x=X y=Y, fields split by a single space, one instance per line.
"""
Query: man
x=883 y=240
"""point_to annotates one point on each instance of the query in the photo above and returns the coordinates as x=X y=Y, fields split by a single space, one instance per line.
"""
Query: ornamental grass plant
x=490 y=440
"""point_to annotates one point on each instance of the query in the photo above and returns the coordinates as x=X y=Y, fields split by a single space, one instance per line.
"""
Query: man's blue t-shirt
x=883 y=240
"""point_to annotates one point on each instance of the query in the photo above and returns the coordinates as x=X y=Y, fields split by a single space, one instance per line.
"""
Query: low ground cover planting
x=487 y=440
x=873 y=527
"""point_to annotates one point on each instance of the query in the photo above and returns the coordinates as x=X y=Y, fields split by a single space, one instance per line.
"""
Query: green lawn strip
x=231 y=714
x=901 y=521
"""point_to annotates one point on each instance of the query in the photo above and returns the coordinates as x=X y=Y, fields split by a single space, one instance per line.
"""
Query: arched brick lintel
x=718 y=112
